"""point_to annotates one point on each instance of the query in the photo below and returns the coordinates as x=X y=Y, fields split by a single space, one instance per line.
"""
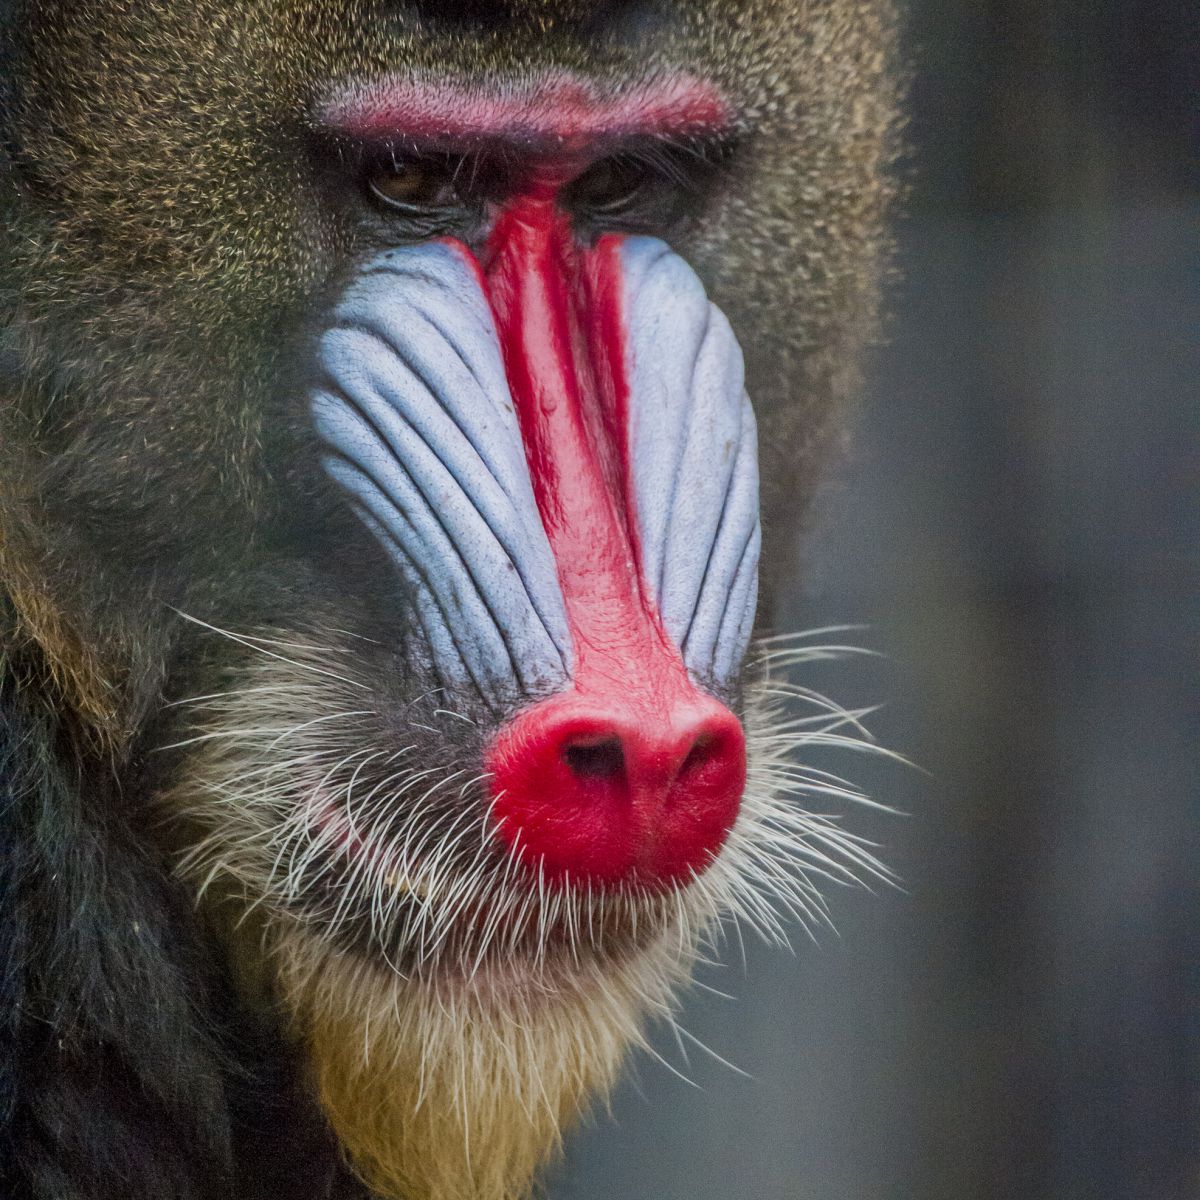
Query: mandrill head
x=384 y=500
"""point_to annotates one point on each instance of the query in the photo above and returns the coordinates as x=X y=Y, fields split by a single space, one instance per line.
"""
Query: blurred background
x=1018 y=525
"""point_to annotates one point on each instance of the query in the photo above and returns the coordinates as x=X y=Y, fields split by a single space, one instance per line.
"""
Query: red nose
x=594 y=791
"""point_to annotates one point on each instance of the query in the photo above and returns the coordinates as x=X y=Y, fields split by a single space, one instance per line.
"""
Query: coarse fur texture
x=492 y=1062
x=208 y=985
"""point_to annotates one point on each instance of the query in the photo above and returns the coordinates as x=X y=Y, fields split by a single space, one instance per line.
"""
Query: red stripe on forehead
x=554 y=108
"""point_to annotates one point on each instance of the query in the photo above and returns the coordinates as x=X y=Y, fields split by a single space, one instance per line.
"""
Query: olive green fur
x=164 y=241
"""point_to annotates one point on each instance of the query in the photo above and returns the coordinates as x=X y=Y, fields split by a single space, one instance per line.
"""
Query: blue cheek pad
x=415 y=412
x=422 y=433
x=694 y=451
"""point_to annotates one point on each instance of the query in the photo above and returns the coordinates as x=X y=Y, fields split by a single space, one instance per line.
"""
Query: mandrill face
x=394 y=383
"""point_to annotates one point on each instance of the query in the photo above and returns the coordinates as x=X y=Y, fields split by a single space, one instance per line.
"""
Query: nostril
x=704 y=750
x=600 y=790
x=595 y=758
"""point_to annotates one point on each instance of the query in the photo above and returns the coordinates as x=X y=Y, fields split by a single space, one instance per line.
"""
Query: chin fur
x=459 y=1014
x=461 y=1090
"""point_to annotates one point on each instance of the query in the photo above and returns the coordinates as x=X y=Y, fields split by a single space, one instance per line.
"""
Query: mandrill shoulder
x=98 y=1089
x=127 y=1071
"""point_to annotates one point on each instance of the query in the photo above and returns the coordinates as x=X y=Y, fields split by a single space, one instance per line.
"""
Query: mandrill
x=385 y=389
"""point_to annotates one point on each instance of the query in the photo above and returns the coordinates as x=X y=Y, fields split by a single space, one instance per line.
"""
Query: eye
x=609 y=187
x=413 y=185
x=648 y=187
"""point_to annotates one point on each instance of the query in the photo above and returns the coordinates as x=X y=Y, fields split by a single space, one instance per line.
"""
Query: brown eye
x=412 y=184
x=608 y=186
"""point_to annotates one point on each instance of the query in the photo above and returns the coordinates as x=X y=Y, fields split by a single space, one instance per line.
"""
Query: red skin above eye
x=557 y=111
x=633 y=776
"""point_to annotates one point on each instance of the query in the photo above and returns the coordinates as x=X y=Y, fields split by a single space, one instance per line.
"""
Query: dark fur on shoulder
x=125 y=1067
x=105 y=1093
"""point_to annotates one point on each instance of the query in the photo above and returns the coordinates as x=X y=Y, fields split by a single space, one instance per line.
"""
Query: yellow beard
x=461 y=1090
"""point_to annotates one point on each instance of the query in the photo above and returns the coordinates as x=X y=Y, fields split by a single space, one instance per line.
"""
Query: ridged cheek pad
x=693 y=453
x=415 y=412
x=420 y=429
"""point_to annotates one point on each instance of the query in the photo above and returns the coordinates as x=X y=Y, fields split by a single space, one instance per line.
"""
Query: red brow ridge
x=556 y=109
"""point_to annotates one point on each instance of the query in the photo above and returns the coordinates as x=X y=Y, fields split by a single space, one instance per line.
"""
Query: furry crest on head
x=213 y=980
